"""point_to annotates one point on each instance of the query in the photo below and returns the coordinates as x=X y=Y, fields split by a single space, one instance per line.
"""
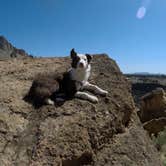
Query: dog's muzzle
x=81 y=65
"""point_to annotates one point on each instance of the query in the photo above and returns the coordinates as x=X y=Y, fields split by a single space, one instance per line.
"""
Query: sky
x=132 y=32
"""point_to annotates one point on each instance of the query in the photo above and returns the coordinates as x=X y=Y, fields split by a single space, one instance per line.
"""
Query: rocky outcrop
x=153 y=105
x=155 y=126
x=153 y=111
x=8 y=51
x=77 y=132
x=143 y=84
x=141 y=89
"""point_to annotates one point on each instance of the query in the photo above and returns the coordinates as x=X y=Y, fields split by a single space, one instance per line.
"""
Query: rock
x=8 y=51
x=141 y=89
x=152 y=111
x=4 y=44
x=77 y=132
x=153 y=105
x=155 y=126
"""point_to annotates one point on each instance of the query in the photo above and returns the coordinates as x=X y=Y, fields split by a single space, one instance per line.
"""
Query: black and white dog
x=80 y=72
x=71 y=84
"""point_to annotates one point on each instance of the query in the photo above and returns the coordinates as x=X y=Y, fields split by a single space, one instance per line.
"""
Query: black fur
x=75 y=58
x=50 y=87
x=68 y=86
x=89 y=57
x=42 y=87
x=75 y=61
x=73 y=53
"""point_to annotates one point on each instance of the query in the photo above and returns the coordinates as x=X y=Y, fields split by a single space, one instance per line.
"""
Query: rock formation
x=141 y=89
x=153 y=111
x=9 y=51
x=155 y=126
x=76 y=133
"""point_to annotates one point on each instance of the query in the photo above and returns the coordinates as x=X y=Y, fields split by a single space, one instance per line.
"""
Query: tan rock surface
x=76 y=133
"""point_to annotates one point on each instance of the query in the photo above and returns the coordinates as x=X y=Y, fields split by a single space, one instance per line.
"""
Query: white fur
x=86 y=96
x=49 y=101
x=95 y=89
x=81 y=75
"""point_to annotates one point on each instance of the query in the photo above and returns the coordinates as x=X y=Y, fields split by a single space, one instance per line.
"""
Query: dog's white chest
x=80 y=75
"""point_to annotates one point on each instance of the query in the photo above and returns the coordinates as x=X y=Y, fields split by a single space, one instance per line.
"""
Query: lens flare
x=141 y=12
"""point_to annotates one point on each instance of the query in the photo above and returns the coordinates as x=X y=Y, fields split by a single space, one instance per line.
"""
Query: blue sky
x=133 y=32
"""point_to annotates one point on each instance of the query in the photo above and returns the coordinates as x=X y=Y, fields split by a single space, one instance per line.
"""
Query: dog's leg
x=60 y=97
x=95 y=89
x=86 y=96
x=49 y=101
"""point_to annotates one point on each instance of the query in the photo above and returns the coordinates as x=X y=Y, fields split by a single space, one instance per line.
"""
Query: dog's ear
x=73 y=53
x=89 y=57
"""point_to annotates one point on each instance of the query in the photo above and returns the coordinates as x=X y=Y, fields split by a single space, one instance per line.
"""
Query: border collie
x=70 y=84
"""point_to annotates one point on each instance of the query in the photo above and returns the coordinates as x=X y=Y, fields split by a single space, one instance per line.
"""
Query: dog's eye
x=85 y=59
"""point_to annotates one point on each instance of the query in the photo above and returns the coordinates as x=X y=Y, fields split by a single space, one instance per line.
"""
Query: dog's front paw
x=49 y=102
x=94 y=99
x=104 y=93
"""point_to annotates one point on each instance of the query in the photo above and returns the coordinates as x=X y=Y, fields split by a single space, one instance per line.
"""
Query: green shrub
x=160 y=142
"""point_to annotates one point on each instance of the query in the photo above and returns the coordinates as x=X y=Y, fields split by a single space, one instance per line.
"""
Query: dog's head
x=81 y=61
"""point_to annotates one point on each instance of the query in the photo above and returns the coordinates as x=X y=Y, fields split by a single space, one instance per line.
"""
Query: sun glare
x=142 y=10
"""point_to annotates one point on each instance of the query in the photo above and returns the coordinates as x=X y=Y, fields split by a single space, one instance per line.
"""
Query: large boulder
x=77 y=132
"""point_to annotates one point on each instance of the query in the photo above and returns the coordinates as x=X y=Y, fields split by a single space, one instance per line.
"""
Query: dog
x=68 y=85
x=80 y=72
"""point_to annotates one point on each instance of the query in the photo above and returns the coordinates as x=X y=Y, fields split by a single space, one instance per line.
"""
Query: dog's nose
x=81 y=65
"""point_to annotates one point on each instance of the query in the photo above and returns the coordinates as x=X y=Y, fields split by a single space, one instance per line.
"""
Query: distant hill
x=142 y=73
x=145 y=74
x=7 y=50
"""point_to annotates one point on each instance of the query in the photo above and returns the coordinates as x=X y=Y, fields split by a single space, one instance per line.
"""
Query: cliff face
x=152 y=111
x=143 y=84
x=7 y=50
x=77 y=132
